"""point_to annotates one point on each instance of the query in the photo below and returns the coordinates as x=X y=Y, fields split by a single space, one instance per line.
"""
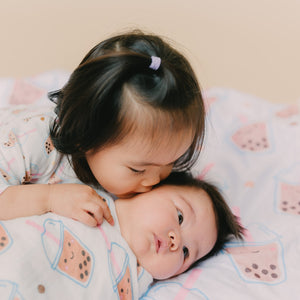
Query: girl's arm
x=76 y=201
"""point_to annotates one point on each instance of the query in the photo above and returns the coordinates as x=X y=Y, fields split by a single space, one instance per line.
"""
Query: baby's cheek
x=165 y=267
x=142 y=247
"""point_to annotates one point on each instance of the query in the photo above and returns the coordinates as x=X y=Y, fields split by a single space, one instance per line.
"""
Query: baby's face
x=169 y=228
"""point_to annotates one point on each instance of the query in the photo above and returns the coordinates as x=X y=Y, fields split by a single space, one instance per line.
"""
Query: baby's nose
x=174 y=240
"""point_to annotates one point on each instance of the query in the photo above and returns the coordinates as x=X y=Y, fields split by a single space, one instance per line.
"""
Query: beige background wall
x=249 y=45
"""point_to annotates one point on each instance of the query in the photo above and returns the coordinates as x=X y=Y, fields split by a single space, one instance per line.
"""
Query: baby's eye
x=136 y=171
x=180 y=216
x=185 y=252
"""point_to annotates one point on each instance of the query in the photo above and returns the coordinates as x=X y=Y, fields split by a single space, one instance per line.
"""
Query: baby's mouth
x=160 y=244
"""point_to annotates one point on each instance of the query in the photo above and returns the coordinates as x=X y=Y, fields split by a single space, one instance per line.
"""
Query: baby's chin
x=161 y=276
x=158 y=275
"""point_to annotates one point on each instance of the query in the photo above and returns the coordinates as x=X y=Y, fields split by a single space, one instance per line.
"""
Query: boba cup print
x=252 y=137
x=120 y=271
x=66 y=253
x=9 y=291
x=5 y=239
x=287 y=192
x=260 y=259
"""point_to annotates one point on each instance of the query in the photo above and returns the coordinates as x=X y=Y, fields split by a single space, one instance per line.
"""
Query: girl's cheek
x=166 y=172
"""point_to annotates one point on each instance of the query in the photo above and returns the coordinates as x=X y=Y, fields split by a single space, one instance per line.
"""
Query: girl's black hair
x=228 y=225
x=97 y=106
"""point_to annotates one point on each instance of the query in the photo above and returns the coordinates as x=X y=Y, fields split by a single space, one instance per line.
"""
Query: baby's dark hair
x=228 y=225
x=113 y=93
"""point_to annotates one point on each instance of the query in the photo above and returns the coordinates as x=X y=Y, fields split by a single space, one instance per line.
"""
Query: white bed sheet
x=252 y=152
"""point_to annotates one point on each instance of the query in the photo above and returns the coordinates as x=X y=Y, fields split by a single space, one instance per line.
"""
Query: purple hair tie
x=155 y=63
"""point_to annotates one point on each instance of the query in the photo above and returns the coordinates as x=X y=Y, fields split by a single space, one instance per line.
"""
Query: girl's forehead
x=162 y=145
x=160 y=136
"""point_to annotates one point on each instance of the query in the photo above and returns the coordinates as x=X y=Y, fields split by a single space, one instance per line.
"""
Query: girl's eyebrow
x=141 y=163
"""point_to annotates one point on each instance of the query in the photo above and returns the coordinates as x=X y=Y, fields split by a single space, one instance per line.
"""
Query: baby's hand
x=79 y=202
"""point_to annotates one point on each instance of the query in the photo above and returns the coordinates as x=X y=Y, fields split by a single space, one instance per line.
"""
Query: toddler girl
x=130 y=113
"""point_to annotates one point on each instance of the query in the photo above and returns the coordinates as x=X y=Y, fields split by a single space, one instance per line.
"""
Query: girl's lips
x=124 y=196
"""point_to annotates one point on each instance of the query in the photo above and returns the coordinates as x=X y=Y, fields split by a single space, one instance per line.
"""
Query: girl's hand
x=79 y=202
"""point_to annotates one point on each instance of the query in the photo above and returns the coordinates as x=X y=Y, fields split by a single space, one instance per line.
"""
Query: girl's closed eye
x=136 y=170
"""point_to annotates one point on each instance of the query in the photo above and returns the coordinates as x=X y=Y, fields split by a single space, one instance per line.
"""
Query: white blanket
x=252 y=152
x=52 y=257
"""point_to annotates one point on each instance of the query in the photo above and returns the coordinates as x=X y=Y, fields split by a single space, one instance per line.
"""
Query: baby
x=157 y=235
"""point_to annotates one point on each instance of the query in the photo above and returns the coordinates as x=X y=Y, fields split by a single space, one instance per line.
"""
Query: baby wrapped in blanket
x=157 y=234
x=62 y=258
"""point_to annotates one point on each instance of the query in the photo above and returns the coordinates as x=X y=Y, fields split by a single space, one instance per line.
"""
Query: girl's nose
x=174 y=240
x=151 y=180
